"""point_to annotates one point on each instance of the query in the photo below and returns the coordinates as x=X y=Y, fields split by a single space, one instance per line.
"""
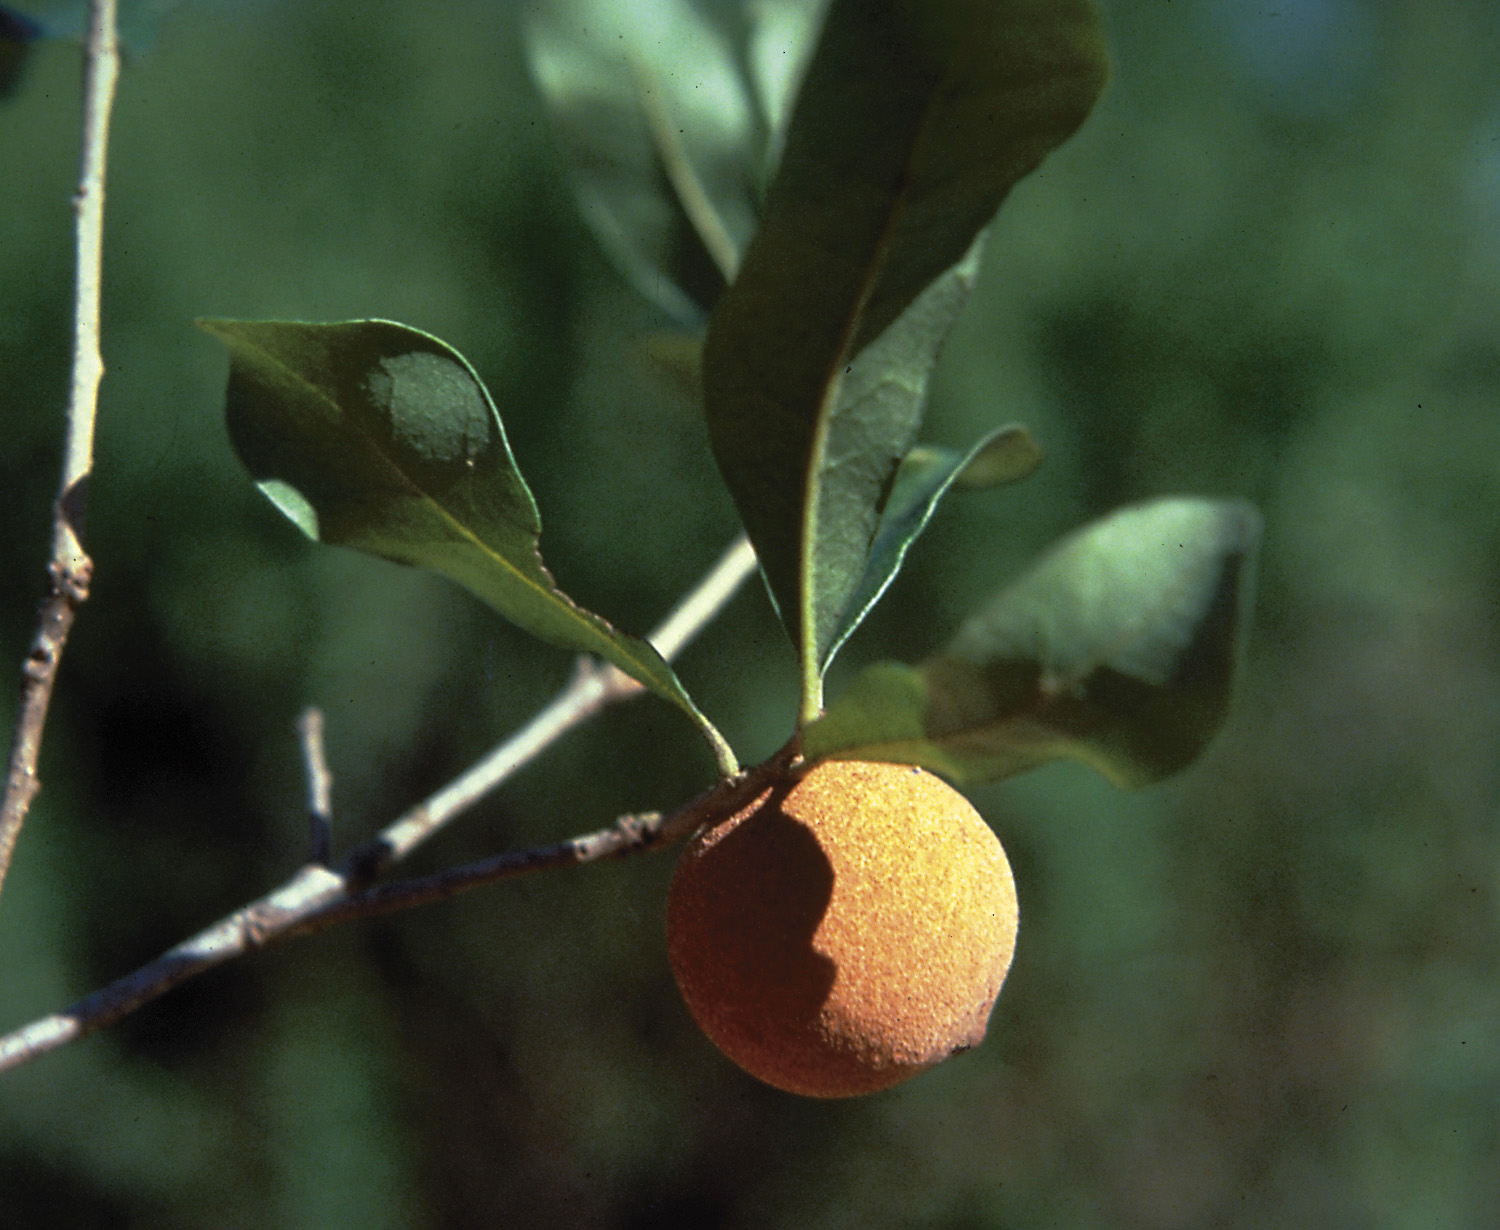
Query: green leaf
x=779 y=38
x=922 y=479
x=662 y=137
x=1004 y=456
x=17 y=34
x=1119 y=649
x=916 y=119
x=373 y=435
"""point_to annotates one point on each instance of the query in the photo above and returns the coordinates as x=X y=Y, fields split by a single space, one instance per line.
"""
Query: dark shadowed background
x=1262 y=995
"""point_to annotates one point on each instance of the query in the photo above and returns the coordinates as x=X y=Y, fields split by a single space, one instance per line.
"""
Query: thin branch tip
x=70 y=570
x=319 y=787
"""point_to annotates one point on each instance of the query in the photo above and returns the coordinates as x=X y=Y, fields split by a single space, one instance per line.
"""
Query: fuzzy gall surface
x=844 y=931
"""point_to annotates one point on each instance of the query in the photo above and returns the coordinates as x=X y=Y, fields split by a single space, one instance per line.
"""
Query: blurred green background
x=1262 y=995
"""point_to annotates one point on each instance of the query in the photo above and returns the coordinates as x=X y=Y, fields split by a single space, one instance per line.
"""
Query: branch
x=319 y=896
x=595 y=686
x=627 y=835
x=69 y=569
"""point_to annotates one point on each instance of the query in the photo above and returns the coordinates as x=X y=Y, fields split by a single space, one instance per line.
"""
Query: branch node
x=639 y=829
x=363 y=865
x=70 y=579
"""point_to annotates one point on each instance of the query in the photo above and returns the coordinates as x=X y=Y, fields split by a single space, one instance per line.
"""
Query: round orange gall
x=846 y=930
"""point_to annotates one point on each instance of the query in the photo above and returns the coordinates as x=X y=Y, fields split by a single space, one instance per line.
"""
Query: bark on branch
x=70 y=569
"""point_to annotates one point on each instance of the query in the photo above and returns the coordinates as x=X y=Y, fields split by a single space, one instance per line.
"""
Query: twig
x=319 y=788
x=69 y=569
x=594 y=686
x=627 y=835
x=319 y=896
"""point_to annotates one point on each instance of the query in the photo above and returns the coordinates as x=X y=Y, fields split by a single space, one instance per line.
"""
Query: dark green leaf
x=1118 y=649
x=17 y=34
x=376 y=436
x=922 y=479
x=915 y=120
x=662 y=137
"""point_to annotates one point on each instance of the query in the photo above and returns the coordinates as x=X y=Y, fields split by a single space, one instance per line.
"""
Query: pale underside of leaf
x=924 y=476
x=874 y=420
x=1118 y=649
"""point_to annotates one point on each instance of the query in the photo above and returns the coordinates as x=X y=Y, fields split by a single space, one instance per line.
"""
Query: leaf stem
x=319 y=896
x=69 y=569
x=693 y=614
